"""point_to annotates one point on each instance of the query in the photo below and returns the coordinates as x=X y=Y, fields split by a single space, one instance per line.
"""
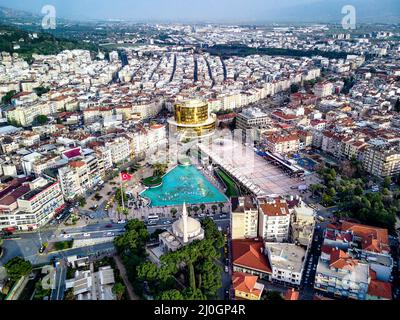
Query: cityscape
x=192 y=154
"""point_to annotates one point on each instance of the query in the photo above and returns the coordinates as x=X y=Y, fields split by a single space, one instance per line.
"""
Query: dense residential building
x=274 y=220
x=382 y=161
x=31 y=204
x=282 y=144
x=355 y=260
x=244 y=218
x=287 y=262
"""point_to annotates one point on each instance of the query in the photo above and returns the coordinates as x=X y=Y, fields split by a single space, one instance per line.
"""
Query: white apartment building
x=274 y=220
x=38 y=202
x=287 y=262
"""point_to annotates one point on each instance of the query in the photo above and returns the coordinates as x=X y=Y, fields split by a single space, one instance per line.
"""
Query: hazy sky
x=211 y=10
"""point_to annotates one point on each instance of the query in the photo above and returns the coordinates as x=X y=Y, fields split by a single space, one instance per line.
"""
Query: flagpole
x=122 y=194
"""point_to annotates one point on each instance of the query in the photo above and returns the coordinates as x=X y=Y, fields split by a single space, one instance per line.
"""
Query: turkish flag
x=125 y=176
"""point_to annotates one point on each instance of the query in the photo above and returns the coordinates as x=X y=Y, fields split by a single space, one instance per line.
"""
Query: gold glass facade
x=197 y=131
x=191 y=113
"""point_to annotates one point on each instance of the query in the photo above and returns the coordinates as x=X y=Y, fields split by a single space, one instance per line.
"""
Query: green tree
x=294 y=88
x=171 y=295
x=273 y=296
x=202 y=207
x=214 y=208
x=211 y=232
x=211 y=278
x=196 y=209
x=41 y=90
x=397 y=106
x=41 y=119
x=6 y=99
x=327 y=200
x=387 y=182
x=221 y=206
x=174 y=211
x=119 y=290
x=134 y=239
x=17 y=268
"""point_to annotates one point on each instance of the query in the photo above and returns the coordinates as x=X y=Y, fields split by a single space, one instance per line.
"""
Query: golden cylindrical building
x=192 y=119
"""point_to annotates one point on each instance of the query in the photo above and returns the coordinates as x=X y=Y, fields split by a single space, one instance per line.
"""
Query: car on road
x=42 y=249
x=67 y=236
x=86 y=235
x=121 y=222
x=109 y=226
x=226 y=269
x=110 y=234
x=223 y=215
x=167 y=222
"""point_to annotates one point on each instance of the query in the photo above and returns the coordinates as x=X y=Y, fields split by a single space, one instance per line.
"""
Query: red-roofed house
x=246 y=286
x=249 y=257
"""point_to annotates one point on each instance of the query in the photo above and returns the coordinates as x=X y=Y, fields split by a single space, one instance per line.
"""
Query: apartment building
x=244 y=218
x=383 y=160
x=252 y=119
x=287 y=262
x=274 y=220
x=31 y=204
x=120 y=149
x=323 y=89
x=282 y=144
x=79 y=176
x=355 y=262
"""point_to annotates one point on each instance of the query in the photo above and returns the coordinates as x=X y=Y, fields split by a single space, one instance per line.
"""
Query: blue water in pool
x=184 y=184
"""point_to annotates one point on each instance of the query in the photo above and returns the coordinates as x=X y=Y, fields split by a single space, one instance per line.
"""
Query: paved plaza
x=243 y=163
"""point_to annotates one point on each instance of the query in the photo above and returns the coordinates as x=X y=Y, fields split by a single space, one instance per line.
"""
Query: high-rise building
x=192 y=119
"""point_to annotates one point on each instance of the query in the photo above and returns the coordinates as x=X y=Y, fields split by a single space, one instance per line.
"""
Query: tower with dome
x=184 y=231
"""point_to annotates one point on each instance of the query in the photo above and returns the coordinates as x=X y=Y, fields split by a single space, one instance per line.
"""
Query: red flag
x=125 y=176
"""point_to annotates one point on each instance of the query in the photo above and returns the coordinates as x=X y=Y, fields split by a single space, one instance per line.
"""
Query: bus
x=153 y=218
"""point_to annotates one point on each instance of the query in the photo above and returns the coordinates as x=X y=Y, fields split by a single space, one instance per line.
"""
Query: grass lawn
x=61 y=245
x=152 y=181
x=232 y=190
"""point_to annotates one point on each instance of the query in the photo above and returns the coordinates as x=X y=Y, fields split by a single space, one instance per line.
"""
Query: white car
x=110 y=234
x=226 y=269
x=86 y=235
x=121 y=222
x=67 y=236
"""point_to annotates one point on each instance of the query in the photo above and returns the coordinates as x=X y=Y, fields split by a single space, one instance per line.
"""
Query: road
x=27 y=245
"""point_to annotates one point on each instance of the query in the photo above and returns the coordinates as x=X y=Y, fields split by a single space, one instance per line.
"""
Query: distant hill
x=27 y=43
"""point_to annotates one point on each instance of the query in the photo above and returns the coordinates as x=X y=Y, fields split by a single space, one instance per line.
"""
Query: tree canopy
x=17 y=268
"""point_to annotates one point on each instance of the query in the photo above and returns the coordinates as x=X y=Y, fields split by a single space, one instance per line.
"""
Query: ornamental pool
x=183 y=184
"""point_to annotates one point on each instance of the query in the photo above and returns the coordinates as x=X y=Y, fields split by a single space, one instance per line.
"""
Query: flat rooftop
x=286 y=256
x=242 y=162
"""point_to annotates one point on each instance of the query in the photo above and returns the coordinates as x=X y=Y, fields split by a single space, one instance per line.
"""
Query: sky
x=212 y=10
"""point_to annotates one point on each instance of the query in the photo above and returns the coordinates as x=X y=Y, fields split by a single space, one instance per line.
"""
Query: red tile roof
x=380 y=289
x=245 y=283
x=247 y=253
x=278 y=208
x=291 y=294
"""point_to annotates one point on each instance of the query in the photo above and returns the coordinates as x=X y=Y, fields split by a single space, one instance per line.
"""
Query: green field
x=232 y=190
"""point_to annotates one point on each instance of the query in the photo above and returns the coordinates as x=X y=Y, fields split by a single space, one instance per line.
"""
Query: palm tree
x=221 y=206
x=189 y=210
x=195 y=209
x=202 y=207
x=214 y=208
